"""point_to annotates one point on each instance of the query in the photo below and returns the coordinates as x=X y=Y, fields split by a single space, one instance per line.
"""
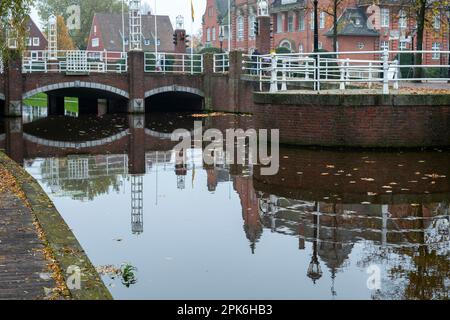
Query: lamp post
x=221 y=38
x=316 y=36
x=314 y=270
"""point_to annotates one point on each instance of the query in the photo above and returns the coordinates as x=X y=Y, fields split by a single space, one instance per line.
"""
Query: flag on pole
x=192 y=11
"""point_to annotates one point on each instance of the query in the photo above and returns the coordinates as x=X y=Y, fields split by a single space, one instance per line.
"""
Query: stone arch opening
x=92 y=98
x=174 y=98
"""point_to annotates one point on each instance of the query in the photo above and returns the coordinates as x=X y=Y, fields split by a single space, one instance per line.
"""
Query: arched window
x=240 y=28
x=286 y=44
x=300 y=48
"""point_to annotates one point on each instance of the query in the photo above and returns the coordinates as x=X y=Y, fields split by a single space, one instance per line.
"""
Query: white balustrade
x=74 y=61
x=221 y=62
x=342 y=70
x=162 y=62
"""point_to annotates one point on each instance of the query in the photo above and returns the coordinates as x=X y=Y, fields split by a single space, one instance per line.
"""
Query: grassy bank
x=40 y=100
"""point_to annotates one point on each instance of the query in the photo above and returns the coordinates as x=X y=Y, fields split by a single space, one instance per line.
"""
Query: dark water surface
x=317 y=230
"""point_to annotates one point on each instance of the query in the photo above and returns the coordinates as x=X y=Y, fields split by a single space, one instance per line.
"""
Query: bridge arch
x=77 y=84
x=76 y=145
x=174 y=88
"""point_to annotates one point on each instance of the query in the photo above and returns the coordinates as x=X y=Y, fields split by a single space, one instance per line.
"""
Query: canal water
x=332 y=224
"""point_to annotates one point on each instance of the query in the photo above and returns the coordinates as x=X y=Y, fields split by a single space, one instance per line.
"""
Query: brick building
x=107 y=34
x=35 y=40
x=362 y=26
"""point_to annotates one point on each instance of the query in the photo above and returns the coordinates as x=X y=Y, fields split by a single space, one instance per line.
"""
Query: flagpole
x=229 y=25
x=123 y=28
x=156 y=37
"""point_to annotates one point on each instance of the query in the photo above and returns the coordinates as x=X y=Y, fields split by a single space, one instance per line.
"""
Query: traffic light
x=187 y=41
x=175 y=39
x=256 y=27
x=182 y=36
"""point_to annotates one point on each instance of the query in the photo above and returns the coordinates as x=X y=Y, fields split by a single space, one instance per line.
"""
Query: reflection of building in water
x=137 y=204
x=78 y=168
x=32 y=113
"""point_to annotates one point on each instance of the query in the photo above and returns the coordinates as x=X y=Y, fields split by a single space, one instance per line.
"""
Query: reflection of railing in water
x=285 y=215
x=137 y=204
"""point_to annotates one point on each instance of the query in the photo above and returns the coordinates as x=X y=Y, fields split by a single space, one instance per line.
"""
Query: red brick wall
x=365 y=126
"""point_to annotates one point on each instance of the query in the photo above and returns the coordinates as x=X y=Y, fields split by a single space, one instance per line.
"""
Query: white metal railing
x=346 y=70
x=74 y=61
x=173 y=63
x=221 y=62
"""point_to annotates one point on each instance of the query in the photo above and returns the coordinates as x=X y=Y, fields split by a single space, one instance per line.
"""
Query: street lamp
x=314 y=270
x=221 y=37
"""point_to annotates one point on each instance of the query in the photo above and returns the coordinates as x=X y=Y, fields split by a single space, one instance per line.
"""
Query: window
x=360 y=45
x=300 y=48
x=29 y=42
x=35 y=42
x=213 y=31
x=210 y=11
x=402 y=19
x=320 y=45
x=322 y=20
x=290 y=22
x=403 y=45
x=95 y=42
x=34 y=55
x=251 y=26
x=436 y=55
x=384 y=45
x=147 y=42
x=279 y=23
x=311 y=22
x=286 y=44
x=95 y=29
x=385 y=17
x=240 y=28
x=301 y=21
x=208 y=35
x=437 y=22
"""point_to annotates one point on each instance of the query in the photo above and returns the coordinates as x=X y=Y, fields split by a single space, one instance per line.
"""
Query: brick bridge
x=132 y=89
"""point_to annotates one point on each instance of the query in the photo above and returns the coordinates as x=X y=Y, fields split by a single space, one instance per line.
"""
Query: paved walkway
x=23 y=268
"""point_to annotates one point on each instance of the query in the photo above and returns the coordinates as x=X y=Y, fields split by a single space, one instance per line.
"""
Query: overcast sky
x=172 y=8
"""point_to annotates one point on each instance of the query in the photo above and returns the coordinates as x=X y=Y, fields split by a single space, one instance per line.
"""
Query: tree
x=87 y=7
x=13 y=16
x=65 y=41
x=334 y=12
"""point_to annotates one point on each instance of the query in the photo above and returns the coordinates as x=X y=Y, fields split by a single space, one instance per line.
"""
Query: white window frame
x=402 y=19
x=384 y=45
x=36 y=41
x=403 y=45
x=437 y=22
x=301 y=21
x=436 y=48
x=291 y=21
x=240 y=25
x=251 y=26
x=385 y=17
x=208 y=35
x=280 y=28
x=95 y=42
x=311 y=20
x=213 y=33
x=322 y=20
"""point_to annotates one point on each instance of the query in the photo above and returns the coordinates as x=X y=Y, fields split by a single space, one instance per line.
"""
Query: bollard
x=385 y=72
x=273 y=79
x=284 y=83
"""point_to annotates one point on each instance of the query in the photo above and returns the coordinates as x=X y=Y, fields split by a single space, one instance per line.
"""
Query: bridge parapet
x=74 y=61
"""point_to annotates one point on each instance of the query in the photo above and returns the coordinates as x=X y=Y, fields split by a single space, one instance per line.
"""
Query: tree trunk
x=335 y=31
x=418 y=72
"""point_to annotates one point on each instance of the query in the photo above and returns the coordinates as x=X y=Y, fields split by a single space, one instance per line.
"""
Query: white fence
x=173 y=63
x=346 y=70
x=74 y=61
x=221 y=62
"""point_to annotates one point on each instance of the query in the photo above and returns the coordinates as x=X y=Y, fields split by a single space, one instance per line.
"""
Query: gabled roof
x=278 y=6
x=110 y=26
x=353 y=22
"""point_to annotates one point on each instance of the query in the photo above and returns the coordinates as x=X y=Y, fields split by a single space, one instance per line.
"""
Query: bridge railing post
x=385 y=72
x=13 y=84
x=136 y=82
